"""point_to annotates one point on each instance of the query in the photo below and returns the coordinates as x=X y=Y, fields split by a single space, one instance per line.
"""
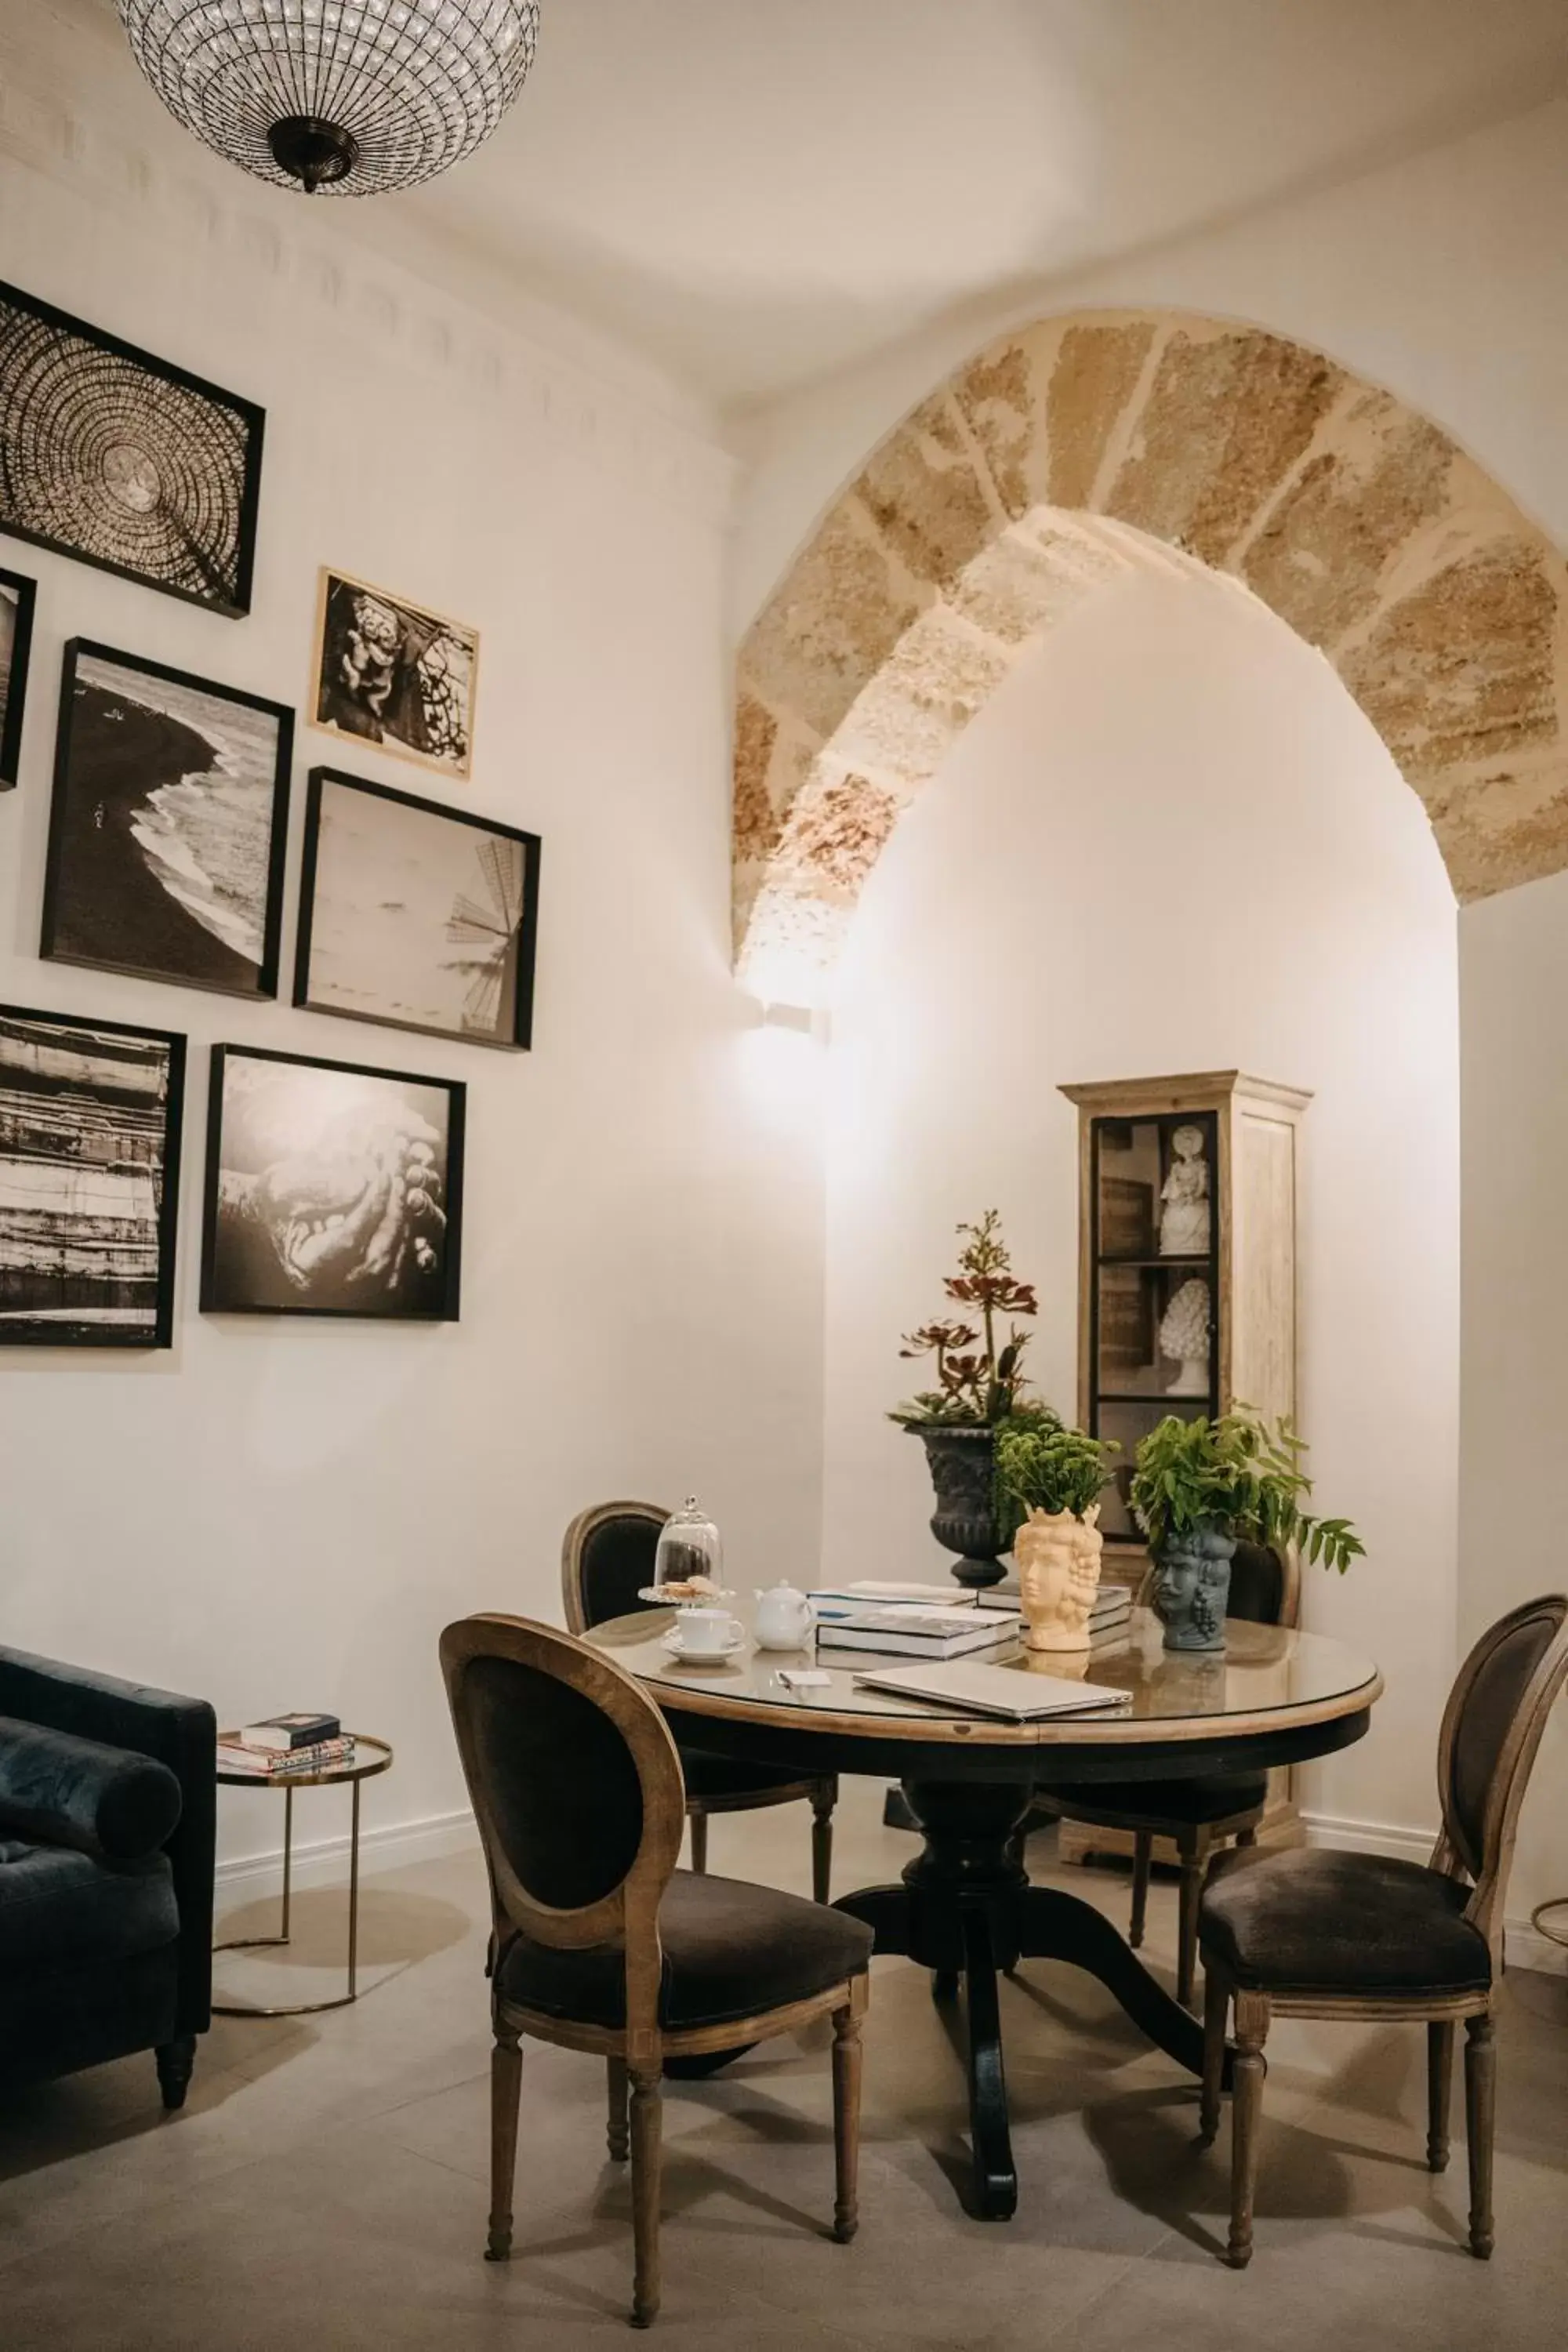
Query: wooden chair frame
x=1486 y=1870
x=628 y=1918
x=1195 y=1842
x=820 y=1791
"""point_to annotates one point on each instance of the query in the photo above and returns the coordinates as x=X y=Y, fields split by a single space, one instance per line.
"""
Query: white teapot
x=786 y=1619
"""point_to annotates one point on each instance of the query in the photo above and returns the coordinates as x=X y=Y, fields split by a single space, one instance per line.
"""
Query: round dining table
x=964 y=1907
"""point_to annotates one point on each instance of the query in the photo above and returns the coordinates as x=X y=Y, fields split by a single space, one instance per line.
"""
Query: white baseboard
x=325 y=1862
x=1527 y=1947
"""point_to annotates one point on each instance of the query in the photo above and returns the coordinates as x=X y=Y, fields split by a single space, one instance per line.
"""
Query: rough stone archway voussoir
x=1071 y=455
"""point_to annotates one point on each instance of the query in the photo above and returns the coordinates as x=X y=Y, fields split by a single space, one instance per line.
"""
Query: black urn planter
x=963 y=1472
x=1192 y=1587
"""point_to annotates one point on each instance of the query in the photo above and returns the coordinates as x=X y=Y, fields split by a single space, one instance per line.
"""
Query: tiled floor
x=325 y=2185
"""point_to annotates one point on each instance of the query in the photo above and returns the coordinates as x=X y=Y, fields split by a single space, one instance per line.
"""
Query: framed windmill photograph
x=416 y=916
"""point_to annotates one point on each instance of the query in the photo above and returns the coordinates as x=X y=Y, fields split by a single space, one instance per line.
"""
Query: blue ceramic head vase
x=1192 y=1585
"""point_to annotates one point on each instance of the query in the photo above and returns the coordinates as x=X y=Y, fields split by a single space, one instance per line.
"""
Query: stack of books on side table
x=286 y=1746
x=934 y=1628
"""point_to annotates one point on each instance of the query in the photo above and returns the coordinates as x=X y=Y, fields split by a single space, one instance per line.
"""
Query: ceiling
x=757 y=194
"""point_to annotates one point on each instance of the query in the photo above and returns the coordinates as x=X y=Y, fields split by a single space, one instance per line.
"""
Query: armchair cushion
x=1312 y=1919
x=731 y=1950
x=57 y=1789
x=58 y=1905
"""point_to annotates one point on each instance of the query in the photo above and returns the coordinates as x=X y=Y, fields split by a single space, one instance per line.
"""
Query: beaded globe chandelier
x=354 y=97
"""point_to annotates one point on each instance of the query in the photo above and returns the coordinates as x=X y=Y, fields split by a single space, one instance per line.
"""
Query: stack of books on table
x=1110 y=1619
x=892 y=1621
x=286 y=1745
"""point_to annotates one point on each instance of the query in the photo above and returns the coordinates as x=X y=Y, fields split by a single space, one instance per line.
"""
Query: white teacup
x=706 y=1632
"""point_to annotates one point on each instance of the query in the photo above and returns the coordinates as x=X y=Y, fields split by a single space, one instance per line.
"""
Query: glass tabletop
x=1266 y=1674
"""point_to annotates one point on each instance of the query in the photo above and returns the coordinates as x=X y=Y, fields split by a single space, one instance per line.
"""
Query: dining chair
x=599 y=1943
x=1313 y=1932
x=1200 y=1813
x=607 y=1559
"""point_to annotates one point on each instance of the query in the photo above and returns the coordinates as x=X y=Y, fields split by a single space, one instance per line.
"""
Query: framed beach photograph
x=89 y=1180
x=331 y=1190
x=123 y=460
x=416 y=916
x=16 y=599
x=169 y=825
x=392 y=673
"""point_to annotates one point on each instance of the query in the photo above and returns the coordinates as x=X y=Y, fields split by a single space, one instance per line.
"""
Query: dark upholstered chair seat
x=1216 y=1799
x=716 y=1778
x=1314 y=1920
x=55 y=1903
x=731 y=1950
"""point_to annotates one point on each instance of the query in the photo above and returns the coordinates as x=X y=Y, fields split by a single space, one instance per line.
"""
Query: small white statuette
x=1184 y=1221
x=1184 y=1338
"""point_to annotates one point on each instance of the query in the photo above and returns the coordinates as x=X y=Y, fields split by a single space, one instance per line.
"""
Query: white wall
x=282 y=1513
x=1170 y=843
x=1513 y=966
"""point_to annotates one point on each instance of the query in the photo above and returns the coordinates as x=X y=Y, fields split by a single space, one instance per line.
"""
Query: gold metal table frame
x=371 y=1755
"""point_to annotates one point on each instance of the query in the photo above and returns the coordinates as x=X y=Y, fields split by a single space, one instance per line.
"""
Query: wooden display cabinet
x=1127 y=1285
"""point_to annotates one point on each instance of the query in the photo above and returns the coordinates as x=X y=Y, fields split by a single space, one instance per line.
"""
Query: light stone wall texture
x=1065 y=457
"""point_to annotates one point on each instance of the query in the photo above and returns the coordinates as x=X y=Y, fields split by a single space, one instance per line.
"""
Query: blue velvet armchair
x=108 y=1799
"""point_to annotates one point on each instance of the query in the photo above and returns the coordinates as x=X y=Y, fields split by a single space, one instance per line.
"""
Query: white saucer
x=675 y=1648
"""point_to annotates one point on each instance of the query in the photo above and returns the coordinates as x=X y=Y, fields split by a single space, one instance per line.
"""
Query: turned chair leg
x=506 y=2091
x=1143 y=1854
x=1481 y=2096
x=176 y=2062
x=699 y=1840
x=1246 y=2114
x=646 y=2100
x=1439 y=2083
x=620 y=2134
x=1195 y=1854
x=846 y=2054
x=1217 y=2013
x=822 y=1804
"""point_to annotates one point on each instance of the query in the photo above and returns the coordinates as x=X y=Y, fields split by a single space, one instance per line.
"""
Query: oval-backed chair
x=599 y=1943
x=1314 y=1932
x=607 y=1559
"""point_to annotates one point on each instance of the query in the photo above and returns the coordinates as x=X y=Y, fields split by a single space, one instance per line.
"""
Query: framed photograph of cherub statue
x=392 y=673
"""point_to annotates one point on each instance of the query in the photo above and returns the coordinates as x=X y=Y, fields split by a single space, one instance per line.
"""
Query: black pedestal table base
x=966 y=1910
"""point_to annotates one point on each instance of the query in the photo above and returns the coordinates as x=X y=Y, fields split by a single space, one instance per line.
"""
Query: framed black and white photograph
x=392 y=673
x=416 y=916
x=123 y=460
x=89 y=1180
x=331 y=1190
x=169 y=825
x=17 y=599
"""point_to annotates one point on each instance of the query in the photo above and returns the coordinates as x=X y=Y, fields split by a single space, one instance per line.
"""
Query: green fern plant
x=1239 y=1475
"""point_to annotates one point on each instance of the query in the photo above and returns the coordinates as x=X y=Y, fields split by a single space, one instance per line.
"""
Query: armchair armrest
x=181 y=1733
x=58 y=1790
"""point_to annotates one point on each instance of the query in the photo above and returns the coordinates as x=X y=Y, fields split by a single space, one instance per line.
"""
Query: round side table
x=370 y=1757
x=1558 y=1933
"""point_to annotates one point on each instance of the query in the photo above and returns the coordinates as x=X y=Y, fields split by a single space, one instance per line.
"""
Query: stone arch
x=1047 y=468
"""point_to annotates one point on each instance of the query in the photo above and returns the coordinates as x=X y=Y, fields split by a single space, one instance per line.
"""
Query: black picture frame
x=125 y=884
x=222 y=1287
x=517 y=1036
x=51 y=1327
x=212 y=492
x=25 y=591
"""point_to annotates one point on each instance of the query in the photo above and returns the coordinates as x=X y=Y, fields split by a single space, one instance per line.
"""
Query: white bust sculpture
x=1185 y=1224
x=1185 y=1337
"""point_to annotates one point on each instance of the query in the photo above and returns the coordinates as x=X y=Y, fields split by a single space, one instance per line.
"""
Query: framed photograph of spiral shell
x=123 y=460
x=416 y=914
x=331 y=1190
x=394 y=674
